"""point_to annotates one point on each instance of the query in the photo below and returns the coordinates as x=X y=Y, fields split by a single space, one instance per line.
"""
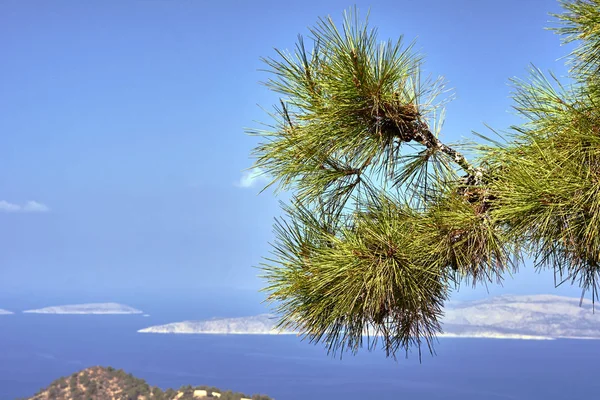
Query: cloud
x=29 y=207
x=34 y=206
x=252 y=177
x=9 y=207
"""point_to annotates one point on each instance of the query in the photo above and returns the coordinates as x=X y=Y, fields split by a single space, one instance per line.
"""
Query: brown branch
x=403 y=121
x=424 y=136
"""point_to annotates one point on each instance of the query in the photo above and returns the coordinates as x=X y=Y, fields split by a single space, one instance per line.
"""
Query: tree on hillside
x=386 y=218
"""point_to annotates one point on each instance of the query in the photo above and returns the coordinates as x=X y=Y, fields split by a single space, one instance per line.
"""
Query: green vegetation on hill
x=99 y=383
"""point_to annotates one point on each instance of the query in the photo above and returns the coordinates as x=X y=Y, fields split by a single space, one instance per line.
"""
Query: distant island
x=89 y=308
x=542 y=317
x=263 y=324
x=5 y=312
x=524 y=317
x=101 y=383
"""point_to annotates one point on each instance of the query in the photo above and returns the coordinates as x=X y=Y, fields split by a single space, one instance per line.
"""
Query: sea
x=36 y=349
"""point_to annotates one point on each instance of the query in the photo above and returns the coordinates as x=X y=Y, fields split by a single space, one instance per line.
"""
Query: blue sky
x=123 y=139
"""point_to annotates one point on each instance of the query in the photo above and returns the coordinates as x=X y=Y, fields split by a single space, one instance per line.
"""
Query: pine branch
x=378 y=231
x=425 y=137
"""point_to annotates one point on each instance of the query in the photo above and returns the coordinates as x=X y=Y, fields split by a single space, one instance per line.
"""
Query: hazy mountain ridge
x=263 y=324
x=507 y=317
x=87 y=308
x=541 y=316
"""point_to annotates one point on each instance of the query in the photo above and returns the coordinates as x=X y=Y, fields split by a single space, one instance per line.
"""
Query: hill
x=99 y=383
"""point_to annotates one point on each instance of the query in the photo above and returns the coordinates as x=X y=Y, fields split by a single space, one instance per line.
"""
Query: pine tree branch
x=405 y=123
x=424 y=136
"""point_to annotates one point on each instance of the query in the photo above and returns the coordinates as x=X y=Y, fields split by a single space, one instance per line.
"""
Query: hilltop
x=99 y=383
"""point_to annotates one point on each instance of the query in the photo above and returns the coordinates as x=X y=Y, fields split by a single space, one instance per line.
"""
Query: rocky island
x=263 y=324
x=523 y=317
x=504 y=317
x=89 y=308
x=100 y=383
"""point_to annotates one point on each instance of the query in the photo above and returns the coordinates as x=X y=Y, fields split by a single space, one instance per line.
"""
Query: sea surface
x=36 y=349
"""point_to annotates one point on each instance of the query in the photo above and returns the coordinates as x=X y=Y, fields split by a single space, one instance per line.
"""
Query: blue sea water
x=36 y=349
